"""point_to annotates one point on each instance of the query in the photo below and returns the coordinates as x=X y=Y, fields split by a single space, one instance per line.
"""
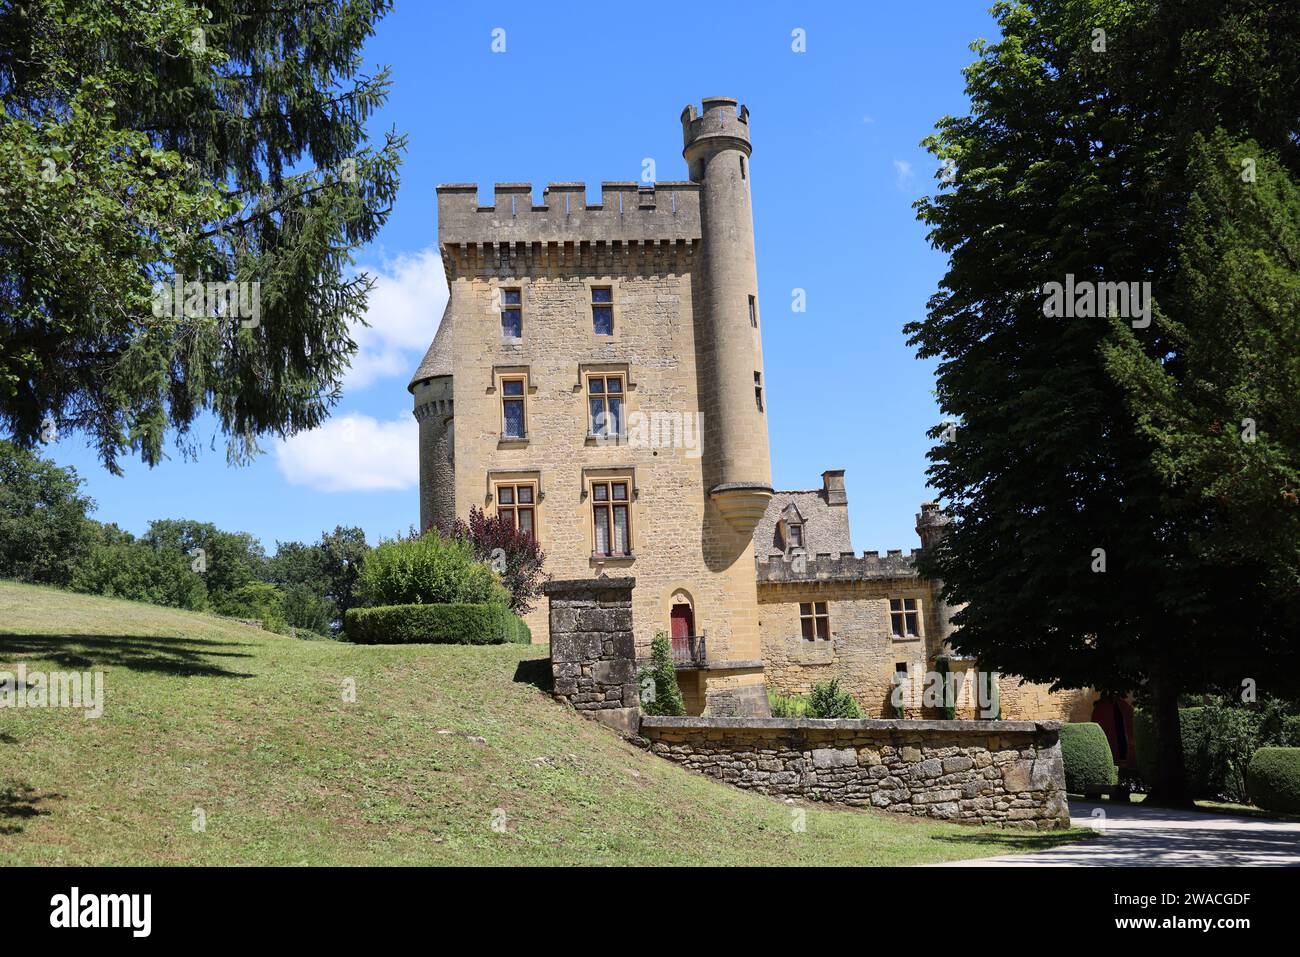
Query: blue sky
x=588 y=92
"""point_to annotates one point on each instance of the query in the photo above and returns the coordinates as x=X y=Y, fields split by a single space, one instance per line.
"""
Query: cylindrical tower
x=433 y=389
x=737 y=464
x=433 y=410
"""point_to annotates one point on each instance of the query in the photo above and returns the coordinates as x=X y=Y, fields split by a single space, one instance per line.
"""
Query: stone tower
x=737 y=462
x=432 y=388
x=597 y=379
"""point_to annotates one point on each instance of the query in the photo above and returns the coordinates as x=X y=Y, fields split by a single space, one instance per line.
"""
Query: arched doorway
x=1115 y=715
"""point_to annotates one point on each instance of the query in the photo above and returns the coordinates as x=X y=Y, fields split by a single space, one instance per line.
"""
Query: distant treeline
x=47 y=537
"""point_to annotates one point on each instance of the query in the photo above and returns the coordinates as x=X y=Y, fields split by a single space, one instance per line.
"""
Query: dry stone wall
x=1008 y=773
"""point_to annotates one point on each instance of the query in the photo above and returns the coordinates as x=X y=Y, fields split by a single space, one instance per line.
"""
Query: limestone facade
x=598 y=376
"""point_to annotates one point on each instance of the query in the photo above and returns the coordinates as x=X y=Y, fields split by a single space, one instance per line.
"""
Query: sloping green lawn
x=449 y=755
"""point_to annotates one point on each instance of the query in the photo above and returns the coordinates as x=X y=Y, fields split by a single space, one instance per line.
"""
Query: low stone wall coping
x=565 y=585
x=850 y=724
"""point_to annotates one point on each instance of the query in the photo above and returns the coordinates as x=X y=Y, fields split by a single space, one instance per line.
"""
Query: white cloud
x=353 y=453
x=904 y=170
x=404 y=309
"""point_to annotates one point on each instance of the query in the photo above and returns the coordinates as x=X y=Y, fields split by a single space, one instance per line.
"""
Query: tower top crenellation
x=626 y=211
x=720 y=119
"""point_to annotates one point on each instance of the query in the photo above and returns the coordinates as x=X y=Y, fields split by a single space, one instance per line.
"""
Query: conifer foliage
x=155 y=143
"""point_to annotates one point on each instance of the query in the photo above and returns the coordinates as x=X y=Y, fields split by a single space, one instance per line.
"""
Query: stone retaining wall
x=1008 y=773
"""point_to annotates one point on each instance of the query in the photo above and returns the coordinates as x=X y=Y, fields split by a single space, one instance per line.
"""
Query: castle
x=598 y=377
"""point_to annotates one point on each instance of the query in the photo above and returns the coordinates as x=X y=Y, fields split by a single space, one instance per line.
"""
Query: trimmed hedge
x=442 y=624
x=1274 y=777
x=1088 y=760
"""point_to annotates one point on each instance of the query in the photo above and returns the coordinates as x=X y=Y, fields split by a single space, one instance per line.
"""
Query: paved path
x=1135 y=835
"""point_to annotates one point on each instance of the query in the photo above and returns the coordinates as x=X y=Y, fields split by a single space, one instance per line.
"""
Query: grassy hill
x=252 y=728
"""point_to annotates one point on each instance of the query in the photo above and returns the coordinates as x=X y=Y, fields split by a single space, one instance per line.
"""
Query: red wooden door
x=683 y=621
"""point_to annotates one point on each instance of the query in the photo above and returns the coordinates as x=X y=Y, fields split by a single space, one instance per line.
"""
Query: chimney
x=833 y=485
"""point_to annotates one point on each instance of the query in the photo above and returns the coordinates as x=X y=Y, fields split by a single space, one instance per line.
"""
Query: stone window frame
x=515 y=507
x=615 y=305
x=504 y=289
x=496 y=304
x=816 y=620
x=901 y=614
x=501 y=375
x=608 y=476
x=605 y=374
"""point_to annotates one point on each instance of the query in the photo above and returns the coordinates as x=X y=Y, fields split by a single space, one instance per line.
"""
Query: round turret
x=738 y=468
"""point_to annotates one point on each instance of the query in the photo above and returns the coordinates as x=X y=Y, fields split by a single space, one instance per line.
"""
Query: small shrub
x=1274 y=779
x=828 y=700
x=441 y=624
x=661 y=675
x=260 y=600
x=430 y=570
x=787 y=706
x=1087 y=756
x=509 y=551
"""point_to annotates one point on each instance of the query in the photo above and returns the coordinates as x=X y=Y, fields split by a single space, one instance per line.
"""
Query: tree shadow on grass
x=1019 y=841
x=20 y=803
x=536 y=672
x=174 y=656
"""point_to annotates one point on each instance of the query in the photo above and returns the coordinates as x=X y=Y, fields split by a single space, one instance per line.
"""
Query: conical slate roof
x=437 y=361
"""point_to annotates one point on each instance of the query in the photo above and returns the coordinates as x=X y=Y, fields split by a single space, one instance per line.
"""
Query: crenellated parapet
x=846 y=566
x=627 y=213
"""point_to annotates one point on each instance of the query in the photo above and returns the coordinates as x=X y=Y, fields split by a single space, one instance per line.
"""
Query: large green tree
x=144 y=141
x=1222 y=409
x=1077 y=563
x=43 y=524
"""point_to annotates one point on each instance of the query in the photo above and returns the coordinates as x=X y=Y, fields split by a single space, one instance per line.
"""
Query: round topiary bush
x=1087 y=757
x=430 y=570
x=450 y=624
x=1273 y=777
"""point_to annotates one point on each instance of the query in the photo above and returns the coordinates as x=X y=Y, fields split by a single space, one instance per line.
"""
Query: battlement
x=719 y=120
x=627 y=212
x=846 y=566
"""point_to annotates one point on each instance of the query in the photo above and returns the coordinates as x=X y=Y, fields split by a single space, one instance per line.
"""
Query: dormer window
x=789 y=530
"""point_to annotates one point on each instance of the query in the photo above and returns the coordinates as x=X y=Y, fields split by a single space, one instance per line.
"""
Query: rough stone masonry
x=1008 y=773
x=593 y=653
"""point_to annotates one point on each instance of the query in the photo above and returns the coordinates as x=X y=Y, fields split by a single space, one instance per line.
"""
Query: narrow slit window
x=512 y=314
x=602 y=310
x=513 y=421
x=905 y=617
x=753 y=311
x=758 y=390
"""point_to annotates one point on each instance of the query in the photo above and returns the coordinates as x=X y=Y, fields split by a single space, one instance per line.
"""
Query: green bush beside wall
x=1087 y=757
x=1274 y=779
x=440 y=624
